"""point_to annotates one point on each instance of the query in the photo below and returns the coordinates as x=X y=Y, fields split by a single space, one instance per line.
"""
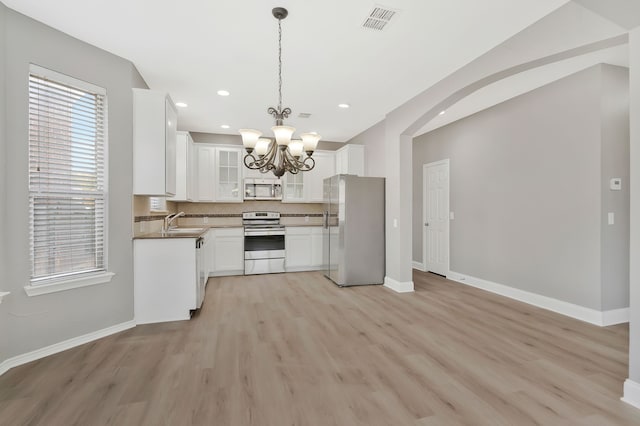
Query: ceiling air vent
x=378 y=18
x=304 y=115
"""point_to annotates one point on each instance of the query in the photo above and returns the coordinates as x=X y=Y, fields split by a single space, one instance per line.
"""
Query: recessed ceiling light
x=344 y=105
x=181 y=104
x=442 y=112
x=223 y=93
x=225 y=126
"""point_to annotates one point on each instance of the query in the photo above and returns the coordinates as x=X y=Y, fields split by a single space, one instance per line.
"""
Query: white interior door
x=435 y=234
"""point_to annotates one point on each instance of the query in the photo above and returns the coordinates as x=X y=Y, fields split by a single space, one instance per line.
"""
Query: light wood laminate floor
x=294 y=349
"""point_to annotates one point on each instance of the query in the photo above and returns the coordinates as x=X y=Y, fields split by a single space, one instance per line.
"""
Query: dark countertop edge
x=161 y=236
x=218 y=215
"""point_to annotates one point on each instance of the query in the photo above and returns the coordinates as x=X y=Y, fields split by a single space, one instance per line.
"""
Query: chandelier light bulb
x=310 y=141
x=283 y=134
x=295 y=147
x=262 y=146
x=249 y=138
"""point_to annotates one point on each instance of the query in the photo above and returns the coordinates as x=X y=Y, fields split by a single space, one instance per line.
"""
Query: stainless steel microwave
x=262 y=189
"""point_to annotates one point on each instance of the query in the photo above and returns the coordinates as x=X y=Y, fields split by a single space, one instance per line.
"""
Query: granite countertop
x=204 y=229
x=171 y=235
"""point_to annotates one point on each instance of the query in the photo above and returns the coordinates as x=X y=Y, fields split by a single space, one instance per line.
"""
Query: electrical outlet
x=205 y=220
x=143 y=226
x=306 y=218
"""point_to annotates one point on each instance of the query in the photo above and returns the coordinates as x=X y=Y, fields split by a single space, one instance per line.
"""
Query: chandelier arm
x=270 y=156
x=313 y=163
x=252 y=164
x=294 y=163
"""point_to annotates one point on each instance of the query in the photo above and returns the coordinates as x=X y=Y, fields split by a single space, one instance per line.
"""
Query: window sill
x=3 y=294
x=100 y=278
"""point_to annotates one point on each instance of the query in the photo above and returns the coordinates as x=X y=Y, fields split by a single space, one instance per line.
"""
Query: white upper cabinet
x=324 y=168
x=219 y=173
x=306 y=187
x=154 y=143
x=229 y=175
x=350 y=160
x=206 y=156
x=293 y=187
x=185 y=178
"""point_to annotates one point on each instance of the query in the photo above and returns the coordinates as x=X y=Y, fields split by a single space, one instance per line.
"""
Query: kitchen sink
x=184 y=231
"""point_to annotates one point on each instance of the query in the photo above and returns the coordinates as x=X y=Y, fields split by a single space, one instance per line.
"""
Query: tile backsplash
x=144 y=220
x=225 y=214
x=221 y=214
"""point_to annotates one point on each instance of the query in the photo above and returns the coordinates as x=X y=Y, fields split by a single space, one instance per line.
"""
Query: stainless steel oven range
x=264 y=249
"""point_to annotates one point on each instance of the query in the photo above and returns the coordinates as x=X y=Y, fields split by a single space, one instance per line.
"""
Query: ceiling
x=193 y=48
x=524 y=82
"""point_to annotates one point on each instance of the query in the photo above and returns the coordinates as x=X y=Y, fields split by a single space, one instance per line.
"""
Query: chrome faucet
x=168 y=220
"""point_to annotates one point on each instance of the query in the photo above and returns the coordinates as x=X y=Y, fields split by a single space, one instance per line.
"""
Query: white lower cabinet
x=316 y=247
x=165 y=279
x=303 y=246
x=207 y=248
x=227 y=256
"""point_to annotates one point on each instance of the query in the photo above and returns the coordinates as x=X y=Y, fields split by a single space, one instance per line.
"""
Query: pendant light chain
x=282 y=154
x=280 y=64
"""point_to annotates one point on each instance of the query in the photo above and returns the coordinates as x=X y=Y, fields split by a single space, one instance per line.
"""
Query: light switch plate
x=611 y=218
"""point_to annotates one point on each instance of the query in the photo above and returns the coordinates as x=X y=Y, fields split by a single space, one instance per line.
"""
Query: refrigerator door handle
x=325 y=219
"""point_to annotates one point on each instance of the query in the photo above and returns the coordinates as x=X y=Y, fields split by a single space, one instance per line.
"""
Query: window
x=157 y=204
x=67 y=179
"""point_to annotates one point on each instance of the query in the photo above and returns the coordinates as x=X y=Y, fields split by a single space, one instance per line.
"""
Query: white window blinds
x=67 y=182
x=157 y=204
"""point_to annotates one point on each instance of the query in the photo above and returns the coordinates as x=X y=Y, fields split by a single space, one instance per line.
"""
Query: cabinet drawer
x=228 y=232
x=298 y=230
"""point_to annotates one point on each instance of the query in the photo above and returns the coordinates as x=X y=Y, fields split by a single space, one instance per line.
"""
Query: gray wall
x=35 y=322
x=4 y=336
x=634 y=270
x=526 y=190
x=615 y=163
x=373 y=140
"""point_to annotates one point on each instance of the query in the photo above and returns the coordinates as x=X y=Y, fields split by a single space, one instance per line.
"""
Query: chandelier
x=282 y=154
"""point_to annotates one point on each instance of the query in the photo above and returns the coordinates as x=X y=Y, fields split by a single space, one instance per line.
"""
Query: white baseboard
x=397 y=286
x=615 y=316
x=592 y=316
x=304 y=268
x=226 y=273
x=419 y=266
x=63 y=346
x=631 y=393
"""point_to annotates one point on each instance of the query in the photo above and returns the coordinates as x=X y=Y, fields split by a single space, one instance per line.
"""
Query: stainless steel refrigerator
x=353 y=232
